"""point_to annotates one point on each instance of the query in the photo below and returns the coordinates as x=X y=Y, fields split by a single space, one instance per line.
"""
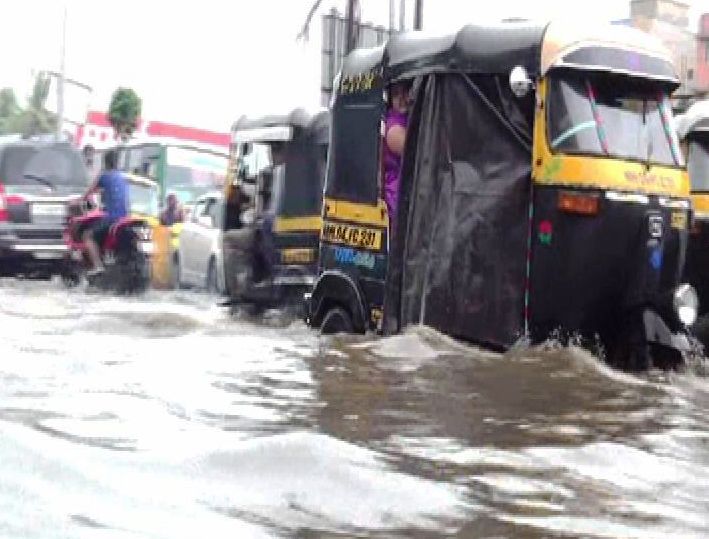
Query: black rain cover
x=465 y=191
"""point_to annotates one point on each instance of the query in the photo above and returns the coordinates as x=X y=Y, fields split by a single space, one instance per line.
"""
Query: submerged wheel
x=212 y=284
x=630 y=356
x=132 y=275
x=71 y=278
x=175 y=275
x=337 y=320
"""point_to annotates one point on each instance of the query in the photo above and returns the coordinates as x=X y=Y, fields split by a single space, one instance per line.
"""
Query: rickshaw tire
x=175 y=274
x=336 y=320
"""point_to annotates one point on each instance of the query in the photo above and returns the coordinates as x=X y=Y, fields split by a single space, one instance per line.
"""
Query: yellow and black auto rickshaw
x=542 y=193
x=693 y=132
x=273 y=199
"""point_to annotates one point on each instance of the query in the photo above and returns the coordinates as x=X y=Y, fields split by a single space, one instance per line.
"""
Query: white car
x=199 y=259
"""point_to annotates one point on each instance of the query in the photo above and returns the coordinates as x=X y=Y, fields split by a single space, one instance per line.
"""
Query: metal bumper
x=32 y=241
x=658 y=332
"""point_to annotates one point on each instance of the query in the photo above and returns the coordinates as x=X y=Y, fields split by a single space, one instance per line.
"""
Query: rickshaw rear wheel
x=336 y=320
x=631 y=356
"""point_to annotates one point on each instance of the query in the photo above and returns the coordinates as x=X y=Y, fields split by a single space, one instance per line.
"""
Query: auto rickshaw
x=273 y=204
x=542 y=193
x=693 y=132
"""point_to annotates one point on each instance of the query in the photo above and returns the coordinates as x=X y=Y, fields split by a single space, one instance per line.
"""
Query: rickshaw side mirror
x=520 y=83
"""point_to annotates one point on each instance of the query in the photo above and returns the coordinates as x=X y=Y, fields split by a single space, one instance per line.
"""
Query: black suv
x=37 y=181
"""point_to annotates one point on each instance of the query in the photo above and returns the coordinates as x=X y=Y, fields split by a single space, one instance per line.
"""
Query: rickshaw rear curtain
x=464 y=206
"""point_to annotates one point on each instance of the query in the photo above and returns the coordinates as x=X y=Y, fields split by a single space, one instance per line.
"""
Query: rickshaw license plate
x=353 y=236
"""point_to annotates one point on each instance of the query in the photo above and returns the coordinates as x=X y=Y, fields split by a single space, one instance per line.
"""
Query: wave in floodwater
x=165 y=416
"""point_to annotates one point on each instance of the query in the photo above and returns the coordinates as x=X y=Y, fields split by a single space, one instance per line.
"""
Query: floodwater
x=163 y=417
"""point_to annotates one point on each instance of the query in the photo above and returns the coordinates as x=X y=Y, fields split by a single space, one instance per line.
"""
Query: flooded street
x=163 y=417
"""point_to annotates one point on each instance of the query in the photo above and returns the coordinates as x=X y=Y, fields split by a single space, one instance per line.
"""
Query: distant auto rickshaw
x=693 y=131
x=273 y=208
x=542 y=193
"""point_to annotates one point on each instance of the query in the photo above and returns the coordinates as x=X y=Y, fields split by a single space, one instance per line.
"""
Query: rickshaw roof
x=695 y=120
x=498 y=48
x=319 y=127
x=281 y=127
x=296 y=118
x=591 y=47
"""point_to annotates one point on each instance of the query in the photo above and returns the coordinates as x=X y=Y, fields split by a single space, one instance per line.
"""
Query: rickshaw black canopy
x=496 y=49
x=298 y=186
x=298 y=118
x=472 y=49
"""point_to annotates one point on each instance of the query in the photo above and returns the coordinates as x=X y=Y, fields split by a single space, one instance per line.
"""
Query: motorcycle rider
x=114 y=195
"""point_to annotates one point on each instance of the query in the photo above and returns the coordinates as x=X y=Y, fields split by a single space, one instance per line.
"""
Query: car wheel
x=212 y=284
x=337 y=320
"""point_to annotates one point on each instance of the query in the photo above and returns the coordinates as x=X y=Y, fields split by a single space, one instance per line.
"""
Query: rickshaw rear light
x=3 y=204
x=584 y=204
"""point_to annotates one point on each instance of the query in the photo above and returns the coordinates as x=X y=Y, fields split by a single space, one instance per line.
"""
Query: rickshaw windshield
x=611 y=116
x=143 y=199
x=698 y=164
x=252 y=159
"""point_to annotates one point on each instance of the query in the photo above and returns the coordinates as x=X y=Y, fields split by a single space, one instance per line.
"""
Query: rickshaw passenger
x=173 y=213
x=395 y=136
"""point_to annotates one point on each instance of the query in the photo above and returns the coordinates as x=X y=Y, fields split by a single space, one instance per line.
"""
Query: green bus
x=188 y=170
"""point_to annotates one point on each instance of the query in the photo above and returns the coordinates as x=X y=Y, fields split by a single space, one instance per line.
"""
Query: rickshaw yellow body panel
x=162 y=258
x=353 y=212
x=700 y=203
x=309 y=223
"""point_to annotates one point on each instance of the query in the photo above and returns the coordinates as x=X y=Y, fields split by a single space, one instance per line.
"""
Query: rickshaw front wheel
x=336 y=320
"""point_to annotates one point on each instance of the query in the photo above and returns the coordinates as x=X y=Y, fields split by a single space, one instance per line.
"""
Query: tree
x=9 y=111
x=124 y=111
x=36 y=119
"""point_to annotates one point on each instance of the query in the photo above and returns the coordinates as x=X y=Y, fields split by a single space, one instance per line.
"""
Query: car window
x=57 y=165
x=215 y=210
x=198 y=210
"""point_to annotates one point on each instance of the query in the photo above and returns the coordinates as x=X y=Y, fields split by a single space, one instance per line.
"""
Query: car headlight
x=686 y=304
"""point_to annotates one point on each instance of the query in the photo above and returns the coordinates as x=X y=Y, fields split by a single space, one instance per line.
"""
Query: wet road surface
x=163 y=417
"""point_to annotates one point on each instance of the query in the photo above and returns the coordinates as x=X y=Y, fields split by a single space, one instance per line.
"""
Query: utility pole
x=391 y=16
x=60 y=86
x=418 y=15
x=350 y=35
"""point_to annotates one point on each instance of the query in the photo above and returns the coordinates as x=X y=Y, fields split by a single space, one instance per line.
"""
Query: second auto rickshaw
x=273 y=202
x=693 y=131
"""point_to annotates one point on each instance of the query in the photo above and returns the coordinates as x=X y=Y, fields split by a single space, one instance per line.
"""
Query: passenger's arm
x=396 y=137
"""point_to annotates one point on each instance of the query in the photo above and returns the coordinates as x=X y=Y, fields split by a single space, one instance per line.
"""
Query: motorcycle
x=125 y=253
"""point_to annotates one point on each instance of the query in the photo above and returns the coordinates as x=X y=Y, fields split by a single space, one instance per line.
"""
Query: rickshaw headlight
x=686 y=304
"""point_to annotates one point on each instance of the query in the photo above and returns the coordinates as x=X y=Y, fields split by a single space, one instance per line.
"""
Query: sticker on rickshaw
x=679 y=220
x=650 y=180
x=353 y=236
x=361 y=82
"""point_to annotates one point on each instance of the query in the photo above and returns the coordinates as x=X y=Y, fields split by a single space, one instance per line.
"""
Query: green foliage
x=34 y=119
x=124 y=111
